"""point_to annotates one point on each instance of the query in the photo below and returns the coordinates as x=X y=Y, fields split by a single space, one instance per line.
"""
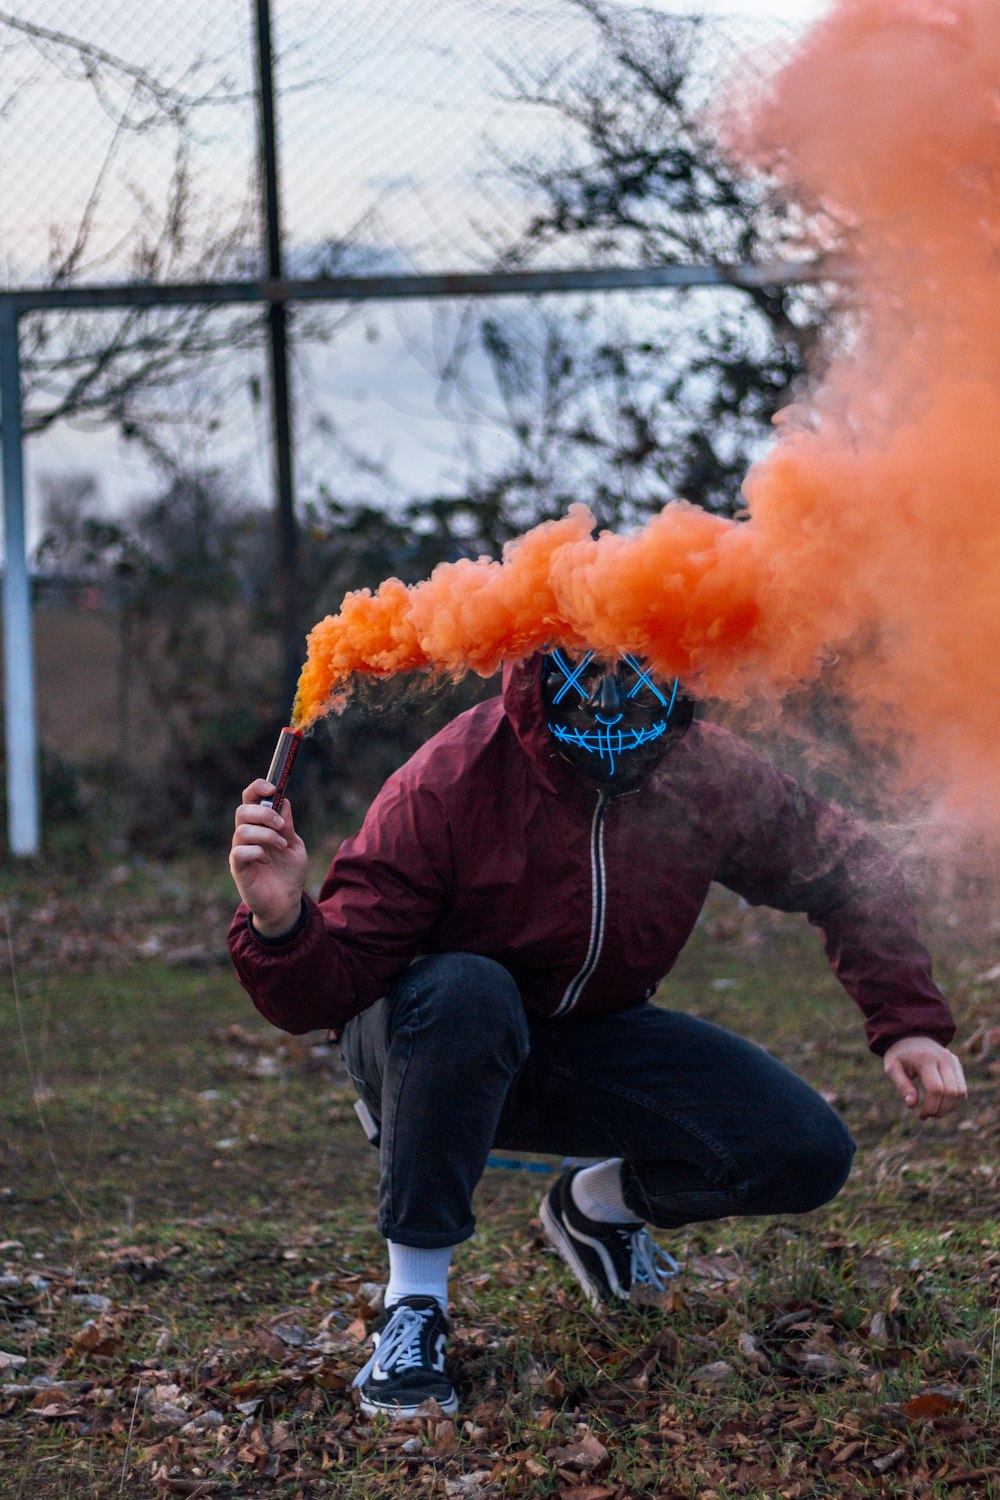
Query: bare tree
x=629 y=402
x=142 y=368
x=118 y=366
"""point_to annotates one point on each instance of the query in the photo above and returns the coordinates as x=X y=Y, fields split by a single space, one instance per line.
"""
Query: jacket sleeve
x=791 y=851
x=384 y=892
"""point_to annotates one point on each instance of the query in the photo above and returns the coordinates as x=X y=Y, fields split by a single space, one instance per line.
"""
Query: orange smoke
x=876 y=517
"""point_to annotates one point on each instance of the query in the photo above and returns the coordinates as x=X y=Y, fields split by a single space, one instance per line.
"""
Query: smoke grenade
x=281 y=765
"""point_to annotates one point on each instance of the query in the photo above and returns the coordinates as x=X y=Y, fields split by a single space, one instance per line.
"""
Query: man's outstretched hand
x=929 y=1077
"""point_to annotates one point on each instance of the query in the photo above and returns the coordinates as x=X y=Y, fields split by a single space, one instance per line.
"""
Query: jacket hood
x=522 y=701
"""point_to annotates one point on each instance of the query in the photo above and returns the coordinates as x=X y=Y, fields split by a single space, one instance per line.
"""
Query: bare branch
x=94 y=62
x=676 y=397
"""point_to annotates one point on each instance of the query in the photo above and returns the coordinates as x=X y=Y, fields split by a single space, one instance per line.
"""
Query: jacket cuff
x=880 y=1043
x=284 y=937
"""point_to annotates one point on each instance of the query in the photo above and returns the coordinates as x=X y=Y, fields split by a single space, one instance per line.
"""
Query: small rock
x=818 y=1366
x=292 y=1334
x=206 y=1421
x=753 y=1353
x=474 y=1486
x=93 y=1300
x=879 y=1330
x=266 y=1066
x=372 y=1294
x=168 y=1415
x=713 y=1376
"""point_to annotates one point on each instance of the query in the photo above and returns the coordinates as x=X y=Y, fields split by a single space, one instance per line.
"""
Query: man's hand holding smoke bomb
x=268 y=860
x=929 y=1077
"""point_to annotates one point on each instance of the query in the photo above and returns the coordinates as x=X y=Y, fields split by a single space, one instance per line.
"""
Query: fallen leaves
x=888 y=1461
x=752 y=1352
x=585 y=1453
x=101 y=1336
x=930 y=1404
x=713 y=1392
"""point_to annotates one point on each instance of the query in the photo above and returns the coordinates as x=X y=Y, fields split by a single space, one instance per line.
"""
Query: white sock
x=597 y=1192
x=418 y=1273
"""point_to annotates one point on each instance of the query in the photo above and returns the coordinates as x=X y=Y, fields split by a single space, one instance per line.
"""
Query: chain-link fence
x=129 y=133
x=411 y=137
x=414 y=137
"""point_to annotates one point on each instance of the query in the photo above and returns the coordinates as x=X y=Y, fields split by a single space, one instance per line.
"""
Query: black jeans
x=708 y=1124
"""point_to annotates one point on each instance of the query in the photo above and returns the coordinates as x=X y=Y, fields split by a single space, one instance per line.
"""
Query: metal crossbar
x=23 y=812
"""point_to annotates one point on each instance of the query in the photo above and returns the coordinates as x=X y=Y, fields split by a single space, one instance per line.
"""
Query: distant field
x=79 y=685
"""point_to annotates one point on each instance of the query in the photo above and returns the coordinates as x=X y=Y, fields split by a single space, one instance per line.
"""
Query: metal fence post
x=278 y=342
x=23 y=822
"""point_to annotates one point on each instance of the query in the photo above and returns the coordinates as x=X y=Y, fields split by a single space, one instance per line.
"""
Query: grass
x=188 y=1257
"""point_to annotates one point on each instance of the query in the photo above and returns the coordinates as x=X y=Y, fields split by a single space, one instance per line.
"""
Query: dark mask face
x=612 y=723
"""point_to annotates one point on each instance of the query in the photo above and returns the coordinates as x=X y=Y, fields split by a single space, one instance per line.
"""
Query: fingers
x=934 y=1089
x=268 y=860
x=944 y=1087
x=256 y=824
x=260 y=831
x=949 y=1088
x=898 y=1076
x=246 y=854
x=934 y=1083
x=258 y=790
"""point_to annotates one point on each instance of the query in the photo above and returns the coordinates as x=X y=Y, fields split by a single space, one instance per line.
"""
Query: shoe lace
x=399 y=1345
x=651 y=1266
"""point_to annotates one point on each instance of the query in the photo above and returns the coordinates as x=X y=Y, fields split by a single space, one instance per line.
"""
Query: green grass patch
x=188 y=1255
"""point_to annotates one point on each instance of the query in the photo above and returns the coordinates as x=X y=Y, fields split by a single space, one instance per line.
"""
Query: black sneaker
x=608 y=1260
x=407 y=1367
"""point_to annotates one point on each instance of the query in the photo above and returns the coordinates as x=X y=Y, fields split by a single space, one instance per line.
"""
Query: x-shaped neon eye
x=572 y=676
x=643 y=679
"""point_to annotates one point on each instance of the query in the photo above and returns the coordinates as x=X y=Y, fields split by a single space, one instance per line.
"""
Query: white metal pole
x=23 y=821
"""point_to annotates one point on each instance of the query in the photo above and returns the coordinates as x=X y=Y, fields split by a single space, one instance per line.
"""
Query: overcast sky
x=409 y=135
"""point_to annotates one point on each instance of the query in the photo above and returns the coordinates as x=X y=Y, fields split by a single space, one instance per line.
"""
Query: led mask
x=612 y=723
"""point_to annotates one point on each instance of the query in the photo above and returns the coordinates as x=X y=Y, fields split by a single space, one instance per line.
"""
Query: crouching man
x=486 y=947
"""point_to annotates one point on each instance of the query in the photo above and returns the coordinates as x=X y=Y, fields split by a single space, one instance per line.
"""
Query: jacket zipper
x=598 y=897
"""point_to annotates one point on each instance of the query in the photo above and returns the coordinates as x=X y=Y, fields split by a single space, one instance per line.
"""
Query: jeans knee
x=838 y=1157
x=471 y=1001
x=812 y=1169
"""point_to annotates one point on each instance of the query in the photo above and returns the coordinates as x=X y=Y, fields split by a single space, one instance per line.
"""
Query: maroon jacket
x=487 y=842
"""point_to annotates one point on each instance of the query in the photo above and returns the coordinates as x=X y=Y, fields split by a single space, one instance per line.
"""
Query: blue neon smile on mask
x=604 y=743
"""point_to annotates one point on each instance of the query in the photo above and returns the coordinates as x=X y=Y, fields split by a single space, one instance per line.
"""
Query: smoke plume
x=874 y=523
